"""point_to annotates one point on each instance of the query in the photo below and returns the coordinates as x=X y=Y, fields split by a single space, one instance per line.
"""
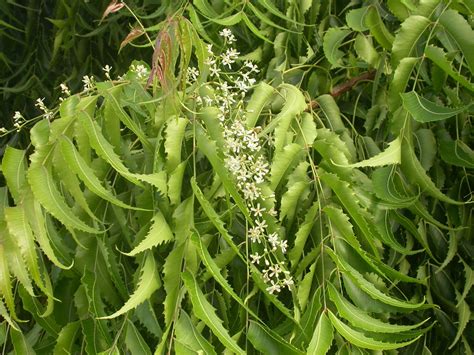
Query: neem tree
x=299 y=183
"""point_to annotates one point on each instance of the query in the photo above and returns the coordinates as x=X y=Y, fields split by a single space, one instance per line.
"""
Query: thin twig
x=346 y=86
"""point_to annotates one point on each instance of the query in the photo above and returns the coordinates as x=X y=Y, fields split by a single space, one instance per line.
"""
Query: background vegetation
x=121 y=229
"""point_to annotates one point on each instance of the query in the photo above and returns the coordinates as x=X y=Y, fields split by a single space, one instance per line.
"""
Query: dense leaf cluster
x=122 y=230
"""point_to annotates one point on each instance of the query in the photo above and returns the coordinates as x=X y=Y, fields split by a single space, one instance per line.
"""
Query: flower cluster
x=140 y=70
x=244 y=157
x=47 y=113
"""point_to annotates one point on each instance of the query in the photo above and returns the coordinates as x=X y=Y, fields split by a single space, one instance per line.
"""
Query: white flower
x=140 y=70
x=275 y=270
x=18 y=116
x=214 y=70
x=251 y=66
x=65 y=90
x=273 y=288
x=106 y=70
x=227 y=35
x=288 y=281
x=261 y=225
x=3 y=130
x=255 y=258
x=257 y=211
x=283 y=246
x=229 y=57
x=88 y=82
x=192 y=74
x=254 y=235
x=273 y=240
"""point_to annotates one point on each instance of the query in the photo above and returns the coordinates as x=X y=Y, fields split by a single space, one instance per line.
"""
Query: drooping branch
x=346 y=86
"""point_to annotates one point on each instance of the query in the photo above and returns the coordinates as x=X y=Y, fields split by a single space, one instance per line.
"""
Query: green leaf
x=282 y=162
x=377 y=28
x=159 y=233
x=66 y=339
x=204 y=311
x=13 y=169
x=148 y=283
x=21 y=344
x=323 y=336
x=78 y=165
x=464 y=315
x=455 y=152
x=20 y=230
x=259 y=99
x=187 y=334
x=103 y=148
x=134 y=341
x=174 y=134
x=462 y=33
x=415 y=172
x=268 y=342
x=333 y=39
x=423 y=110
x=254 y=29
x=294 y=104
x=216 y=274
x=355 y=19
x=391 y=155
x=398 y=85
x=363 y=320
x=359 y=339
x=369 y=288
x=438 y=57
x=389 y=186
x=45 y=191
x=6 y=286
x=406 y=41
x=365 y=50
x=303 y=233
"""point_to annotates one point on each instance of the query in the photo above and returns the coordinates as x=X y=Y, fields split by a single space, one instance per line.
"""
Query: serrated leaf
x=268 y=342
x=323 y=336
x=216 y=274
x=78 y=165
x=282 y=161
x=333 y=39
x=365 y=50
x=355 y=19
x=13 y=169
x=423 y=110
x=148 y=283
x=45 y=191
x=369 y=288
x=134 y=341
x=363 y=320
x=438 y=57
x=359 y=339
x=378 y=29
x=103 y=148
x=398 y=85
x=66 y=339
x=204 y=311
x=294 y=104
x=462 y=33
x=391 y=155
x=406 y=41
x=259 y=99
x=187 y=334
x=159 y=233
x=174 y=134
x=413 y=169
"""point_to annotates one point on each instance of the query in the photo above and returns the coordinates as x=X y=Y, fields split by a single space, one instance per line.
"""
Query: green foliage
x=124 y=226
